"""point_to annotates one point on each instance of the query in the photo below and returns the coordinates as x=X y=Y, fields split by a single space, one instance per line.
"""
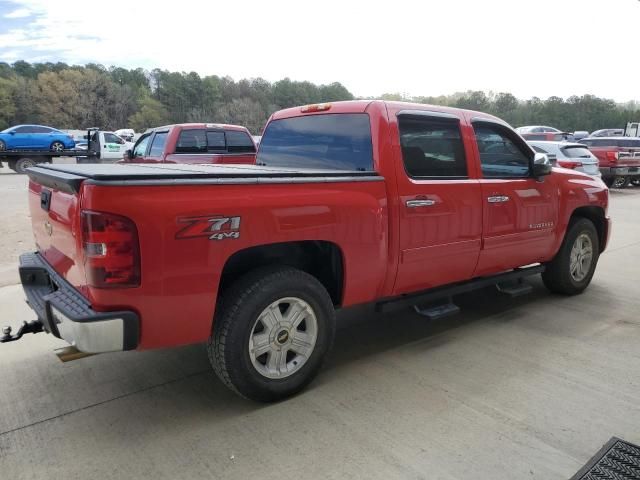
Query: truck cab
x=194 y=143
x=107 y=146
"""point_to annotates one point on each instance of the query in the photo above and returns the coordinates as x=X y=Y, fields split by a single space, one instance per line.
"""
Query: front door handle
x=420 y=203
x=498 y=199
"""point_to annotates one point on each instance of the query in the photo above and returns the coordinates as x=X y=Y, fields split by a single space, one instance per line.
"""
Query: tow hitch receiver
x=34 y=326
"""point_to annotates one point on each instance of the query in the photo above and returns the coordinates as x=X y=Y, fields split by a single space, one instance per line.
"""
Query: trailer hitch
x=34 y=326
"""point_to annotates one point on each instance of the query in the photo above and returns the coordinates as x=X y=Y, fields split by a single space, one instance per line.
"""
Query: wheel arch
x=597 y=216
x=322 y=259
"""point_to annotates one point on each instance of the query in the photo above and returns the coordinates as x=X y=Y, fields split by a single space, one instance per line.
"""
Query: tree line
x=76 y=97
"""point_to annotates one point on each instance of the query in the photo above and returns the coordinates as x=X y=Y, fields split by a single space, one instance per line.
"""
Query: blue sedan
x=35 y=137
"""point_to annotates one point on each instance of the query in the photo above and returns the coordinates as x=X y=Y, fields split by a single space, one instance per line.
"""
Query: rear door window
x=157 y=146
x=239 y=142
x=431 y=147
x=338 y=141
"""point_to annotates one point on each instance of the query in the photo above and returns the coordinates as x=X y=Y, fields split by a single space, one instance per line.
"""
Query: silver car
x=569 y=155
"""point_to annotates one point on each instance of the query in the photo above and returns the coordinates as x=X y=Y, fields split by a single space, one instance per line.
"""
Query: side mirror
x=12 y=132
x=129 y=154
x=541 y=165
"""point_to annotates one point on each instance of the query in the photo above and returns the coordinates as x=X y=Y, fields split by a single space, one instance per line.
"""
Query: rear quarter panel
x=180 y=276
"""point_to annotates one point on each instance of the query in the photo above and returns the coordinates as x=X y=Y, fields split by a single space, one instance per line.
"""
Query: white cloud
x=19 y=13
x=418 y=48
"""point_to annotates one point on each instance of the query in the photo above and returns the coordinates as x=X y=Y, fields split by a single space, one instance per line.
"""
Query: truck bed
x=68 y=178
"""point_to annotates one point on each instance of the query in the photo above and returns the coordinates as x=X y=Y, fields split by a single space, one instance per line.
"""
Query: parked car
x=541 y=132
x=349 y=203
x=608 y=132
x=574 y=156
x=35 y=137
x=619 y=159
x=194 y=143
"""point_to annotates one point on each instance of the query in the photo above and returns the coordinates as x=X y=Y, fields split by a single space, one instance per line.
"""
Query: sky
x=416 y=48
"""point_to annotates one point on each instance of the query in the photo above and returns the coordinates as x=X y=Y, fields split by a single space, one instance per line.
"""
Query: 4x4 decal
x=216 y=227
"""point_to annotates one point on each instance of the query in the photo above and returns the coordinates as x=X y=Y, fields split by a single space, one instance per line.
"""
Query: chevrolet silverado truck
x=386 y=203
x=194 y=143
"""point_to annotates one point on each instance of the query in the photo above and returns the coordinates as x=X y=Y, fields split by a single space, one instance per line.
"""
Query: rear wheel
x=57 y=146
x=635 y=181
x=3 y=146
x=22 y=164
x=272 y=332
x=617 y=182
x=572 y=269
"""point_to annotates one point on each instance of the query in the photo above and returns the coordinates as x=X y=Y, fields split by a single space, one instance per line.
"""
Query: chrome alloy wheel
x=581 y=257
x=283 y=338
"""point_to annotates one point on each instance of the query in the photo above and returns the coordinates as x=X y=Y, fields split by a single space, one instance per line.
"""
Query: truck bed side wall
x=180 y=276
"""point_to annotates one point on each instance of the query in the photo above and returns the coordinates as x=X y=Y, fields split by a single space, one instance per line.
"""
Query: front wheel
x=272 y=331
x=572 y=268
x=3 y=146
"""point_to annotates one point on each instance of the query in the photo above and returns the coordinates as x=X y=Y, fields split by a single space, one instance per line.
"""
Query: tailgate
x=55 y=220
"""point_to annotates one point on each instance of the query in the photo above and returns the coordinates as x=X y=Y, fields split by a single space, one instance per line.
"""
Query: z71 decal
x=215 y=227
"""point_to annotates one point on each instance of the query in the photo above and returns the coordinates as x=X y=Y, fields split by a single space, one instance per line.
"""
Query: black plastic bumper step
x=616 y=460
x=515 y=289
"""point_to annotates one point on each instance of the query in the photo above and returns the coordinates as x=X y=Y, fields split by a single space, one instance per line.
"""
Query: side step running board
x=506 y=280
x=514 y=289
x=436 y=312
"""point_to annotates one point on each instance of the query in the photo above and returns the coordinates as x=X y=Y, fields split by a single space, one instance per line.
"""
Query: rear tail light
x=569 y=164
x=111 y=250
x=612 y=156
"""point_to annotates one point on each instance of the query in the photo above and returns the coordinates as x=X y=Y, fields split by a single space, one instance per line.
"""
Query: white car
x=575 y=156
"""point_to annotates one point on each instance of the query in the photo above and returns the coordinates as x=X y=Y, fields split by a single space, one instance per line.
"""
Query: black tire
x=56 y=146
x=635 y=181
x=238 y=310
x=22 y=164
x=624 y=182
x=3 y=146
x=608 y=181
x=557 y=277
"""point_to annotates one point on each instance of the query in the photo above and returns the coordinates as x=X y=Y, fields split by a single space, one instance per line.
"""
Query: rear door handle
x=420 y=203
x=498 y=198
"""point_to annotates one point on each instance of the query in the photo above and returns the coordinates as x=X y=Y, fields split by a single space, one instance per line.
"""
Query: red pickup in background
x=194 y=143
x=618 y=157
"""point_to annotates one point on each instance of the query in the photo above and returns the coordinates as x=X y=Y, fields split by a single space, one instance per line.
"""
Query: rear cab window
x=214 y=141
x=332 y=141
x=239 y=142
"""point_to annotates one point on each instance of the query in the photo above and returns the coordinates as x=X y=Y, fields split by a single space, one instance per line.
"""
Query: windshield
x=328 y=141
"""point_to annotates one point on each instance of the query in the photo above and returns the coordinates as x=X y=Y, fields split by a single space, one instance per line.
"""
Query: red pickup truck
x=194 y=143
x=389 y=203
x=618 y=158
